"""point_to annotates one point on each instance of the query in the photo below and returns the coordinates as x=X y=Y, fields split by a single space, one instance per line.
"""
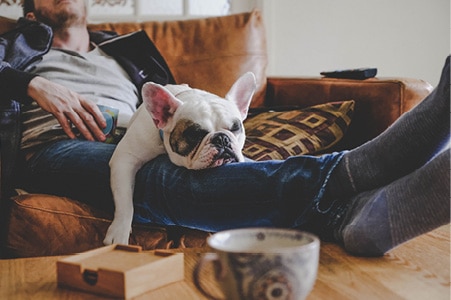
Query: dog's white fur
x=162 y=108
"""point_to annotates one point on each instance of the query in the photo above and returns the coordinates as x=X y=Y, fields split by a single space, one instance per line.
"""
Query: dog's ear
x=160 y=103
x=242 y=91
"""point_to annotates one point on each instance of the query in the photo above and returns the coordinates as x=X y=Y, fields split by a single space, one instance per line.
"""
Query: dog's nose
x=221 y=140
x=223 y=145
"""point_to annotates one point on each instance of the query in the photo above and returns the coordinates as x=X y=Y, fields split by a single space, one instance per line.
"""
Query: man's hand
x=68 y=108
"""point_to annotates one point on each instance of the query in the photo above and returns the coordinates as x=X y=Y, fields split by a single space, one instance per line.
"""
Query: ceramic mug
x=261 y=263
x=110 y=114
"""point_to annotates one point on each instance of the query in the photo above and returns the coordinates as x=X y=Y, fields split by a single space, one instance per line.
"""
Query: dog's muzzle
x=223 y=144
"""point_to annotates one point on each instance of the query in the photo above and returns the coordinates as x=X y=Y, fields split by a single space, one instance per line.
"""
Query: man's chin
x=63 y=17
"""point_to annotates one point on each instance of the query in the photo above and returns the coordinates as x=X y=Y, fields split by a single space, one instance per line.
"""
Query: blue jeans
x=270 y=193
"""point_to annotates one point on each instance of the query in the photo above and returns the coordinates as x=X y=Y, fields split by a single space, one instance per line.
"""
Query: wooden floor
x=419 y=269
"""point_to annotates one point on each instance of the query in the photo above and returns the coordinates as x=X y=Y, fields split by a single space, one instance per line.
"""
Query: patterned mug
x=261 y=263
x=110 y=114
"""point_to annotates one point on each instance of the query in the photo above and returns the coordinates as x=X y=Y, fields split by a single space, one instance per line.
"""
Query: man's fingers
x=78 y=123
x=93 y=118
x=94 y=110
x=88 y=122
x=65 y=125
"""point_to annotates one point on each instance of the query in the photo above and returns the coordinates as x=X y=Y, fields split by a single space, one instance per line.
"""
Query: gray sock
x=405 y=146
x=379 y=220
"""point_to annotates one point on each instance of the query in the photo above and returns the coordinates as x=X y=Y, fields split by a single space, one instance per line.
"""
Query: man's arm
x=14 y=83
x=68 y=108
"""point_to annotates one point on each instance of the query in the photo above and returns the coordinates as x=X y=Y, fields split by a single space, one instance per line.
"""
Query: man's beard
x=62 y=19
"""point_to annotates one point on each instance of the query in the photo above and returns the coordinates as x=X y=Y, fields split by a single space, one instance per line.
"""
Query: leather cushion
x=280 y=134
x=6 y=24
x=42 y=225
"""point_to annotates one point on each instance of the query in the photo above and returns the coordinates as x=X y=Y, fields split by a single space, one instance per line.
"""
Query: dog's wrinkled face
x=201 y=130
x=205 y=132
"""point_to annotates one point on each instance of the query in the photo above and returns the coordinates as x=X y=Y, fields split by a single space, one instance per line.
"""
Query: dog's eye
x=185 y=137
x=236 y=126
x=194 y=133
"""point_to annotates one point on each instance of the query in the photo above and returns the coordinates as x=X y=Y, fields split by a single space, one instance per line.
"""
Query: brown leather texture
x=6 y=24
x=209 y=54
x=42 y=225
x=379 y=101
x=65 y=226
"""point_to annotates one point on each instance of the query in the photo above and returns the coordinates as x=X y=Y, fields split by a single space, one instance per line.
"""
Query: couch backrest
x=208 y=53
x=6 y=24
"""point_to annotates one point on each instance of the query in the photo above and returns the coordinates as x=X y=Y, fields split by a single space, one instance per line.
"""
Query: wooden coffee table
x=419 y=269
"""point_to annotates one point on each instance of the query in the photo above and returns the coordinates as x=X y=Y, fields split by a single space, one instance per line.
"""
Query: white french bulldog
x=195 y=128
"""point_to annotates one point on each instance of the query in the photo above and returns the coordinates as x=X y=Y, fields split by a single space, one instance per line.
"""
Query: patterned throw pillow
x=280 y=134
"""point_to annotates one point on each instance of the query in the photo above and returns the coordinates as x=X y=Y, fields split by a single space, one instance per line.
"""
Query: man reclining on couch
x=368 y=199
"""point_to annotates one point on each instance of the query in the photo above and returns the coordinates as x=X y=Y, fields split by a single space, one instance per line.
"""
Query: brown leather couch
x=209 y=54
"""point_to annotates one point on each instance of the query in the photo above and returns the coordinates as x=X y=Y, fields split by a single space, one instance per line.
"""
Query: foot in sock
x=405 y=146
x=379 y=220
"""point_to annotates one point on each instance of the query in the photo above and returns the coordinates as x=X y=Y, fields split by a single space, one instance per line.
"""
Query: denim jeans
x=267 y=193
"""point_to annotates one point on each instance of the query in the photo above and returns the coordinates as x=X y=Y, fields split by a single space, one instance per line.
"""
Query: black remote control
x=360 y=73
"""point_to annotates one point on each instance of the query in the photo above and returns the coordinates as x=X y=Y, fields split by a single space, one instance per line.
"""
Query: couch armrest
x=379 y=101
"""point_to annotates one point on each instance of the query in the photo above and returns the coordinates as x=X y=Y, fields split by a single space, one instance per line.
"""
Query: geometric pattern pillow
x=278 y=135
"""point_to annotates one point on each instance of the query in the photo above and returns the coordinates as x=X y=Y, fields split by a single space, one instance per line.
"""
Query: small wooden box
x=120 y=271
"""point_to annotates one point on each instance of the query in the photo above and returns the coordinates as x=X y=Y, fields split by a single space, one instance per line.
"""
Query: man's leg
x=379 y=220
x=270 y=193
x=407 y=145
x=72 y=168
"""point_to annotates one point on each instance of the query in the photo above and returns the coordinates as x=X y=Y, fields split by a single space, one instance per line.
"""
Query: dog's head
x=199 y=129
